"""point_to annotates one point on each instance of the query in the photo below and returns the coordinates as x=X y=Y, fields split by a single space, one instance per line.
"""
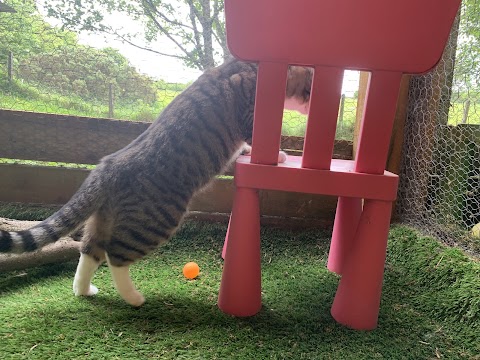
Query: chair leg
x=240 y=289
x=357 y=300
x=344 y=229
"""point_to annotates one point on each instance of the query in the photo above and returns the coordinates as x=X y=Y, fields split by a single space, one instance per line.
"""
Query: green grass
x=457 y=110
x=294 y=123
x=430 y=306
x=27 y=97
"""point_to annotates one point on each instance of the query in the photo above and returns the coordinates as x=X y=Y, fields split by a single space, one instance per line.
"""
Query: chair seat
x=340 y=180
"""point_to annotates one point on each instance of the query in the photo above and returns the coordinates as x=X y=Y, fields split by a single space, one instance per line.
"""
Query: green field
x=457 y=110
x=430 y=305
x=294 y=124
x=23 y=96
x=26 y=97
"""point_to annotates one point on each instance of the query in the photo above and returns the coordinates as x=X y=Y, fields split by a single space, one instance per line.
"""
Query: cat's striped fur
x=136 y=198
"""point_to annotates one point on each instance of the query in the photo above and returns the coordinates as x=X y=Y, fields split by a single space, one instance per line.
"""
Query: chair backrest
x=386 y=37
x=405 y=36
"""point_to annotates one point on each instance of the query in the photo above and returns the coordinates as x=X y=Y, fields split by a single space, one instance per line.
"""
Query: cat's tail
x=70 y=217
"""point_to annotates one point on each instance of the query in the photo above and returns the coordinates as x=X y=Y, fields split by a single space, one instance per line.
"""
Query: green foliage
x=25 y=33
x=21 y=95
x=53 y=59
x=194 y=28
x=88 y=72
x=467 y=70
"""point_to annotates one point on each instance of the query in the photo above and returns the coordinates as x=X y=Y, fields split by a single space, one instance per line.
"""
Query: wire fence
x=294 y=124
x=45 y=68
x=440 y=178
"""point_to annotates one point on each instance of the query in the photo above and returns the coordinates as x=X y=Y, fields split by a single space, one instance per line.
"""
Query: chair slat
x=322 y=118
x=377 y=121
x=270 y=97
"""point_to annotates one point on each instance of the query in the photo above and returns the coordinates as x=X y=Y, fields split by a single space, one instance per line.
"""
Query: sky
x=162 y=67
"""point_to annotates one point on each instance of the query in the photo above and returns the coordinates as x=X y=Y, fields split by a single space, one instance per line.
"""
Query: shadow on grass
x=181 y=319
x=304 y=320
x=13 y=281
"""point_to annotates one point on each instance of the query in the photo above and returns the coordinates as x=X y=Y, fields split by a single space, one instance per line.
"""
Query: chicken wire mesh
x=439 y=190
x=294 y=124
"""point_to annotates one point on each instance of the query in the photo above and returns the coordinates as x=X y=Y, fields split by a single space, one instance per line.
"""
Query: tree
x=195 y=28
x=52 y=58
x=25 y=33
x=88 y=72
x=467 y=69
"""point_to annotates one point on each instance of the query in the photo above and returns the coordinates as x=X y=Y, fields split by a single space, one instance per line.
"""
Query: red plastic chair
x=387 y=38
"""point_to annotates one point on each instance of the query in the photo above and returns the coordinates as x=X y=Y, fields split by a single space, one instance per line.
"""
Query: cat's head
x=299 y=84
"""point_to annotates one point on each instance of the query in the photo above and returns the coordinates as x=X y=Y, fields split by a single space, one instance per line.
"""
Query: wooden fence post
x=362 y=92
x=110 y=100
x=396 y=142
x=10 y=66
x=466 y=109
x=342 y=109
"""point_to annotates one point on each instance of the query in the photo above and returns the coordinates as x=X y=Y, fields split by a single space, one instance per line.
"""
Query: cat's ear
x=236 y=79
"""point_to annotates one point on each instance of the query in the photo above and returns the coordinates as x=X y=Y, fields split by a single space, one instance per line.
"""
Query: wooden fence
x=78 y=140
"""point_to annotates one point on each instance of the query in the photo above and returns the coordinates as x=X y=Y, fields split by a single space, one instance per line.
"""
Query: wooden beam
x=396 y=142
x=62 y=138
x=80 y=140
x=51 y=185
x=63 y=250
x=362 y=93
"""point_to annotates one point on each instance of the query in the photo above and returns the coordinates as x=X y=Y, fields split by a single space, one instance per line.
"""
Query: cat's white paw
x=247 y=149
x=87 y=291
x=135 y=298
x=282 y=157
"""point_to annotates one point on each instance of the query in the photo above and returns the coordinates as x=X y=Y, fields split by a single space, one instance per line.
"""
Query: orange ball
x=191 y=270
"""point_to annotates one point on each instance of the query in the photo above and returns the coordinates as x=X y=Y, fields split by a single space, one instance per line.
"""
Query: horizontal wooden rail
x=61 y=138
x=73 y=139
x=50 y=185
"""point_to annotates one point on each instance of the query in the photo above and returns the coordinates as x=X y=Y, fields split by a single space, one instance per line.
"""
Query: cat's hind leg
x=87 y=265
x=124 y=284
x=92 y=254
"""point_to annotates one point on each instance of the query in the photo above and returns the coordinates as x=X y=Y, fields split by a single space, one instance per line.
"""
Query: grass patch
x=457 y=110
x=294 y=123
x=429 y=307
x=46 y=164
x=23 y=96
x=20 y=211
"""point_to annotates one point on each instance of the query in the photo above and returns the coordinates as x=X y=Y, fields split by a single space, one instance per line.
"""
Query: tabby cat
x=135 y=198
